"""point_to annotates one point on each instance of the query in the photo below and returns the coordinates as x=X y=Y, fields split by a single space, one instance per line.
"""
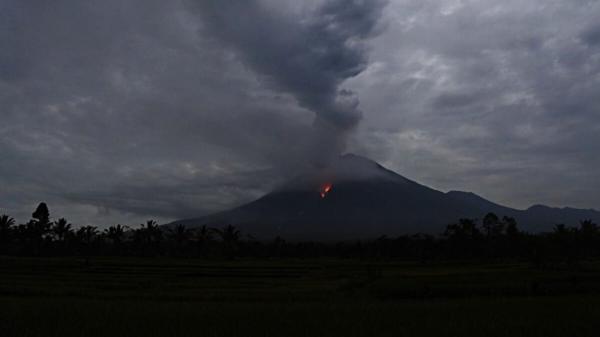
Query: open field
x=321 y=297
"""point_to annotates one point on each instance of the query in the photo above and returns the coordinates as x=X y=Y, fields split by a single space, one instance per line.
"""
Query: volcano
x=354 y=197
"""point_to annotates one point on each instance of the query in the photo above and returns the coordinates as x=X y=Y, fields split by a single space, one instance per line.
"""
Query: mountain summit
x=354 y=197
x=343 y=169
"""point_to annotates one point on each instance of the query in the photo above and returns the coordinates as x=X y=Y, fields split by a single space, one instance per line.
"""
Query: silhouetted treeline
x=491 y=238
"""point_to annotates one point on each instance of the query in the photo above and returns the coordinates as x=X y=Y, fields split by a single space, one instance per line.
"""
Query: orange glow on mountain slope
x=325 y=188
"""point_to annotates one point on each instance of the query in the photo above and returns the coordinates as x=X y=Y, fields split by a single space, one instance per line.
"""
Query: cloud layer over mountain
x=124 y=110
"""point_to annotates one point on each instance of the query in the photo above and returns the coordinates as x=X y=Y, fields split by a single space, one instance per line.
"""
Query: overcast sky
x=119 y=111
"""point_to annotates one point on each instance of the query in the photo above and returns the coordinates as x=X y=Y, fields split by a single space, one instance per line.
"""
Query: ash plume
x=306 y=57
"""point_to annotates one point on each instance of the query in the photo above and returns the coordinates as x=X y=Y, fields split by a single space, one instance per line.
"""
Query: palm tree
x=464 y=237
x=61 y=229
x=228 y=234
x=588 y=228
x=149 y=236
x=561 y=230
x=588 y=236
x=33 y=234
x=6 y=224
x=153 y=231
x=230 y=237
x=115 y=233
x=6 y=227
x=202 y=236
x=87 y=235
x=180 y=235
x=563 y=238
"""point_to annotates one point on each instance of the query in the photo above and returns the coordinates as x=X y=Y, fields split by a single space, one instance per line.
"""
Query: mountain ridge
x=366 y=200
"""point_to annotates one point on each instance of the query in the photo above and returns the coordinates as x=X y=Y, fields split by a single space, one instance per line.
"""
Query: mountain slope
x=366 y=200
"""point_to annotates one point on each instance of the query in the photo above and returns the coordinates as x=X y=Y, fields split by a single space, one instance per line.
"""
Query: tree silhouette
x=61 y=232
x=510 y=226
x=588 y=228
x=41 y=217
x=464 y=230
x=464 y=237
x=492 y=225
x=41 y=213
x=494 y=238
x=35 y=231
x=61 y=229
x=202 y=237
x=563 y=241
x=6 y=227
x=179 y=233
x=148 y=237
x=589 y=237
x=115 y=233
x=87 y=234
x=41 y=220
x=230 y=237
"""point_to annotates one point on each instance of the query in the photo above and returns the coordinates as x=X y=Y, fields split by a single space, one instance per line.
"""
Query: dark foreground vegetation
x=476 y=279
x=490 y=239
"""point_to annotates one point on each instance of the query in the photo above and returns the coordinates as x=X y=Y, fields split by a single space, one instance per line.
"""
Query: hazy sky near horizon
x=123 y=110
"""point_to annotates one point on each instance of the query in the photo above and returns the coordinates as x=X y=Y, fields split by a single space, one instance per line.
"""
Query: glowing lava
x=325 y=188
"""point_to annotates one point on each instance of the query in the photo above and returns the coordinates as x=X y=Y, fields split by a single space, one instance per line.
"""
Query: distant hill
x=355 y=197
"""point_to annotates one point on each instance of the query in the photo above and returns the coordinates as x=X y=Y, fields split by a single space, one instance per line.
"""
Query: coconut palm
x=148 y=237
x=230 y=237
x=180 y=234
x=6 y=224
x=588 y=228
x=153 y=232
x=87 y=234
x=202 y=237
x=6 y=228
x=588 y=237
x=61 y=232
x=228 y=234
x=61 y=229
x=115 y=233
x=116 y=236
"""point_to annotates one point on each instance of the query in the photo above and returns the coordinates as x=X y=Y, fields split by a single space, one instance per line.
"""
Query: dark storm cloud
x=126 y=99
x=591 y=36
x=456 y=100
x=500 y=99
x=114 y=111
x=308 y=58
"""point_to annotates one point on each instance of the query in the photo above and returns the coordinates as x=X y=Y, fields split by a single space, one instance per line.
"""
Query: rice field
x=288 y=297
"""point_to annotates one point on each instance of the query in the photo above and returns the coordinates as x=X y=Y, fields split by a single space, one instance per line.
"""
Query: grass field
x=322 y=297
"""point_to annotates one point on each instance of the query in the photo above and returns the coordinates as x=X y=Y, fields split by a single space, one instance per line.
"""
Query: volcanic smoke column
x=308 y=57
